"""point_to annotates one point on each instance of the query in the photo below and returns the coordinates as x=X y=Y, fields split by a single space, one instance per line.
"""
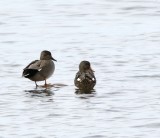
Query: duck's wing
x=33 y=65
x=85 y=75
x=90 y=78
x=77 y=77
x=31 y=69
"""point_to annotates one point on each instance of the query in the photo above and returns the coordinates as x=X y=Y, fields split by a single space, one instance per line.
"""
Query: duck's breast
x=48 y=68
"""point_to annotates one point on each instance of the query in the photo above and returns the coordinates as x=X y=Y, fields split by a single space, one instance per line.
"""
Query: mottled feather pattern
x=85 y=81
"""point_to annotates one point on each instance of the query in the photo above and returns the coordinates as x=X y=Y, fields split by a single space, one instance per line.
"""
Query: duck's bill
x=54 y=59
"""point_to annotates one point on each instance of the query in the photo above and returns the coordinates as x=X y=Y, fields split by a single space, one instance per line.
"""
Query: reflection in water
x=85 y=95
x=40 y=92
x=56 y=85
x=78 y=91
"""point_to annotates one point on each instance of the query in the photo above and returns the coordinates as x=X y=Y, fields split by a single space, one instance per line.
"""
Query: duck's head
x=85 y=66
x=46 y=55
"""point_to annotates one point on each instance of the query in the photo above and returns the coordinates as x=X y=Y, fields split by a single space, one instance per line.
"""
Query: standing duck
x=40 y=70
x=85 y=79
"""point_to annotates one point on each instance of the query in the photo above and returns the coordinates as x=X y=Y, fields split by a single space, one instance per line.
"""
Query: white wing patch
x=39 y=69
x=26 y=75
x=79 y=79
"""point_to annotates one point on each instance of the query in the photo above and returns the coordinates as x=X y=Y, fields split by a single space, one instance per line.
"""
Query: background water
x=121 y=39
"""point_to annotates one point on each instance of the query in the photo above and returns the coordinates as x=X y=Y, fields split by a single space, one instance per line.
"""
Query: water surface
x=121 y=40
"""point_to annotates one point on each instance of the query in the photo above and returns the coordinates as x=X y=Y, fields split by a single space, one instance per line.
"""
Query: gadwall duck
x=85 y=79
x=40 y=70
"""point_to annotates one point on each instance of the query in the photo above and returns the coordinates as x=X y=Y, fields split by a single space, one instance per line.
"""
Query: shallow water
x=121 y=40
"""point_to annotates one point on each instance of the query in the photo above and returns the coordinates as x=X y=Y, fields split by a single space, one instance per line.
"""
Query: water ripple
x=120 y=39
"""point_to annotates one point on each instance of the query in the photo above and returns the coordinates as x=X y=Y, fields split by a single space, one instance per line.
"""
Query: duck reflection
x=40 y=92
x=79 y=91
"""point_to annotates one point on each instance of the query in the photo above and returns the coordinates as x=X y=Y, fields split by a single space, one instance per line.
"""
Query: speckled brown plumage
x=85 y=79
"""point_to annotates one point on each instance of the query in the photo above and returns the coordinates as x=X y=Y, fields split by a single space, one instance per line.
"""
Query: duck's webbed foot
x=47 y=85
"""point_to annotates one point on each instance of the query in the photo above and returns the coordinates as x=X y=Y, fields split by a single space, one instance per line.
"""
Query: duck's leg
x=45 y=83
x=36 y=84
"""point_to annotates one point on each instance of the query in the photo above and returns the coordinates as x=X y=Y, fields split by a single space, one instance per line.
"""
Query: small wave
x=150 y=125
x=146 y=76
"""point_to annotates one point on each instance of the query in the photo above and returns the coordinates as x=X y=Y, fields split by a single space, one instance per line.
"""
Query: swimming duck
x=40 y=70
x=85 y=79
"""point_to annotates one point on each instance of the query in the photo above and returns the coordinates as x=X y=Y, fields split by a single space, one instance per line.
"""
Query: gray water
x=121 y=39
